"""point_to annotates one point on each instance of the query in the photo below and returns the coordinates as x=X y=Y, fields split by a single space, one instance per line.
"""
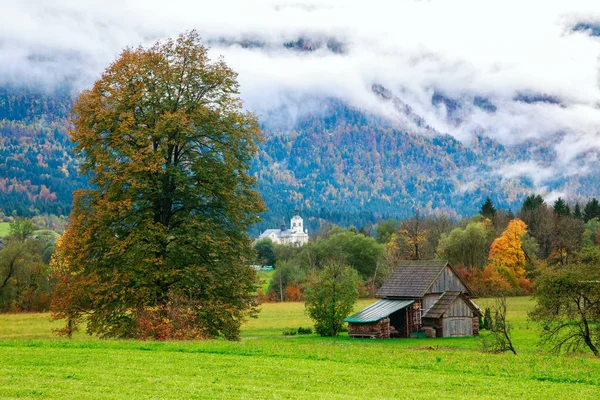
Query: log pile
x=475 y=326
x=379 y=329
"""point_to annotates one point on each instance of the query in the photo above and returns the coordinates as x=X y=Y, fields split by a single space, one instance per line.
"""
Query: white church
x=295 y=236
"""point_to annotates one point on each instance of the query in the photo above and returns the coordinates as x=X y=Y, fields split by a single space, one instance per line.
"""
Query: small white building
x=296 y=235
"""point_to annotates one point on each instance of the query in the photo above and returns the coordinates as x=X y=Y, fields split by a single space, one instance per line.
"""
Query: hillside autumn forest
x=340 y=165
x=37 y=169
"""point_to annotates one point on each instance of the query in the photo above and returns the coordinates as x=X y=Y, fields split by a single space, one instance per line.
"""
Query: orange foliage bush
x=261 y=296
x=293 y=292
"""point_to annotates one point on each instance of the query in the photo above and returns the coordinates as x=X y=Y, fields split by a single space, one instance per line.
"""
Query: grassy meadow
x=267 y=365
x=4 y=229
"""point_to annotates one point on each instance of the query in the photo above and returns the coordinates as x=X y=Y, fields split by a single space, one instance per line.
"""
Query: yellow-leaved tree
x=506 y=270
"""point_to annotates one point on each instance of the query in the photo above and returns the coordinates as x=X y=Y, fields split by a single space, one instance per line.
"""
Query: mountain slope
x=37 y=170
x=338 y=164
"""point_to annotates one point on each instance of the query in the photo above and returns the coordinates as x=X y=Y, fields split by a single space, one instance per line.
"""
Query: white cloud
x=462 y=48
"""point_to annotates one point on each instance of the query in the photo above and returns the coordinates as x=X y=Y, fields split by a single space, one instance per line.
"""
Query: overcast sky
x=459 y=48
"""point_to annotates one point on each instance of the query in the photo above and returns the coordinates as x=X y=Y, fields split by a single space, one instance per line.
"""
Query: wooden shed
x=420 y=298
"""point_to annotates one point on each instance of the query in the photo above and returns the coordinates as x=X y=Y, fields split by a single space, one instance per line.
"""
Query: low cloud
x=536 y=76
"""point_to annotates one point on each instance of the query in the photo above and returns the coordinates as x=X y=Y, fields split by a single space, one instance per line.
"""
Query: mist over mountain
x=366 y=112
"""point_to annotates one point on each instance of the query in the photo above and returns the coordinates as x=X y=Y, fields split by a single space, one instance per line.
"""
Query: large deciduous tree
x=354 y=249
x=159 y=248
x=468 y=247
x=265 y=252
x=413 y=235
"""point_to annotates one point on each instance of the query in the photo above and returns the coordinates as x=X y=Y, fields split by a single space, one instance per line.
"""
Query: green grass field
x=4 y=229
x=267 y=365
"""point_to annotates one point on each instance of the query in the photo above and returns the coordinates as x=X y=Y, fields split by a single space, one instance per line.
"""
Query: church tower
x=297 y=223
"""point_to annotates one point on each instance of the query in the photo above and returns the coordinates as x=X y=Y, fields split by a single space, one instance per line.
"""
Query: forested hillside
x=346 y=167
x=37 y=171
x=339 y=165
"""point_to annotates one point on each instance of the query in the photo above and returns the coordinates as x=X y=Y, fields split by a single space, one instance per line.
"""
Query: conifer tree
x=561 y=208
x=488 y=209
x=532 y=203
x=577 y=211
x=591 y=210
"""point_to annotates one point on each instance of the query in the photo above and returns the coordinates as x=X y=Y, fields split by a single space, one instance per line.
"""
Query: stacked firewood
x=475 y=326
x=384 y=328
x=379 y=329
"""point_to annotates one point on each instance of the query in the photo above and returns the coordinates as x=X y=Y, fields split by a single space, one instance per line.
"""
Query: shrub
x=289 y=332
x=293 y=292
x=304 y=331
x=487 y=320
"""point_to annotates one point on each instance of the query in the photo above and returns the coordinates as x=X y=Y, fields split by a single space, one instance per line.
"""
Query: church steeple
x=297 y=223
x=283 y=227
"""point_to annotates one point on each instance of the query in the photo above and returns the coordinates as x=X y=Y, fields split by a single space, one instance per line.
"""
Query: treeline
x=25 y=282
x=495 y=250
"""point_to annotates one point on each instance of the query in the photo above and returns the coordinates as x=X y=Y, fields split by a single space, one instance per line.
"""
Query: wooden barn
x=421 y=298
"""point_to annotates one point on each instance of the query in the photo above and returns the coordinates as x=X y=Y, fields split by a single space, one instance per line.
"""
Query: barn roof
x=378 y=310
x=411 y=278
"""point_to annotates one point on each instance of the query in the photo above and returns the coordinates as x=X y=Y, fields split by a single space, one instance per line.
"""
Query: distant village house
x=296 y=235
x=421 y=298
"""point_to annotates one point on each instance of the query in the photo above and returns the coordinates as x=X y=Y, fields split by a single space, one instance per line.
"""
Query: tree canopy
x=162 y=234
x=330 y=297
x=561 y=208
x=568 y=306
x=591 y=210
x=488 y=210
x=506 y=269
x=468 y=246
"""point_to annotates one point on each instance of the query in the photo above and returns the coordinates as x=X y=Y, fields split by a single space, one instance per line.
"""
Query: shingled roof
x=412 y=279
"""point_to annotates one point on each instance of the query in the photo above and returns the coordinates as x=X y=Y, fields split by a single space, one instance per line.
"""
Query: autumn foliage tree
x=159 y=248
x=506 y=270
x=413 y=236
